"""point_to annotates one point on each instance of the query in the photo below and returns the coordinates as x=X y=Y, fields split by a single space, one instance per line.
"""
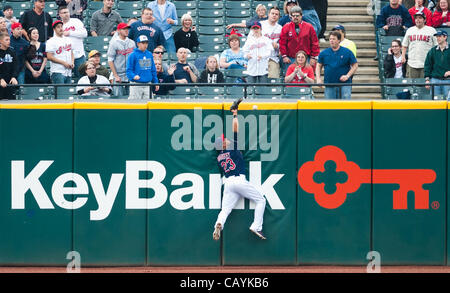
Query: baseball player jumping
x=232 y=165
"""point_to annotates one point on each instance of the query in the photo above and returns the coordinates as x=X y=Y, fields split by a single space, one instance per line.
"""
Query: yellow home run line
x=245 y=105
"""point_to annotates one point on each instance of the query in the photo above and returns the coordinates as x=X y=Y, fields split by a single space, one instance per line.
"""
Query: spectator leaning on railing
x=88 y=85
x=118 y=51
x=339 y=65
x=300 y=71
x=437 y=66
x=60 y=54
x=141 y=70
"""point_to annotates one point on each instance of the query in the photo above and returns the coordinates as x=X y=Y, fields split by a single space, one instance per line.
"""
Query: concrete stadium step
x=359 y=10
x=350 y=18
x=348 y=3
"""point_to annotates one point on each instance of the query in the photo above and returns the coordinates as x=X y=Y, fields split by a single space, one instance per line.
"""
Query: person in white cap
x=141 y=69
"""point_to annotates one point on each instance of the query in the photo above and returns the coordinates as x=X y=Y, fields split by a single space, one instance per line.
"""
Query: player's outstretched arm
x=235 y=120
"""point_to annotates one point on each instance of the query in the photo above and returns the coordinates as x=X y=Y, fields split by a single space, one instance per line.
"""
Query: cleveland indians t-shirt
x=61 y=47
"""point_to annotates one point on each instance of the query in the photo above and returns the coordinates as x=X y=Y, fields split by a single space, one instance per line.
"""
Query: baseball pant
x=235 y=188
x=139 y=92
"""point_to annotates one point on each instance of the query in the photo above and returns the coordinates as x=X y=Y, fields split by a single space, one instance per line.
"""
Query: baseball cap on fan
x=420 y=13
x=256 y=24
x=142 y=39
x=56 y=22
x=291 y=1
x=441 y=33
x=339 y=27
x=122 y=25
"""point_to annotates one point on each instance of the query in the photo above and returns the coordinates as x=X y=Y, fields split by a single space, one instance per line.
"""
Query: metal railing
x=417 y=91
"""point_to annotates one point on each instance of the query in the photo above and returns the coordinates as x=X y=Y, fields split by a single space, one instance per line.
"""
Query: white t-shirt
x=61 y=48
x=273 y=32
x=398 y=67
x=419 y=42
x=77 y=35
x=262 y=47
x=162 y=9
x=84 y=83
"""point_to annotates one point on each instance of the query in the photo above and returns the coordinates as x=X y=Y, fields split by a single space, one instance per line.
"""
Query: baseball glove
x=235 y=104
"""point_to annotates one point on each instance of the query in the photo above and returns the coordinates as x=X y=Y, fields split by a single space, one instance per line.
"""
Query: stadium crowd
x=282 y=43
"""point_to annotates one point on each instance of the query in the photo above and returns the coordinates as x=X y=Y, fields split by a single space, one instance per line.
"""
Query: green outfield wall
x=137 y=184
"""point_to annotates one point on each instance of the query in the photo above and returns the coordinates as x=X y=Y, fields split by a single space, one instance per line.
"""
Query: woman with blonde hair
x=261 y=14
x=300 y=71
x=186 y=36
x=212 y=74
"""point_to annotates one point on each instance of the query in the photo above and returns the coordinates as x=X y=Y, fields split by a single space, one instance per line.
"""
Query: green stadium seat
x=240 y=13
x=268 y=4
x=214 y=39
x=129 y=13
x=238 y=91
x=207 y=30
x=267 y=92
x=215 y=48
x=236 y=5
x=66 y=93
x=219 y=21
x=127 y=5
x=210 y=5
x=210 y=13
x=192 y=12
x=34 y=92
x=183 y=92
x=210 y=92
x=185 y=5
x=18 y=7
x=233 y=72
x=95 y=5
x=297 y=93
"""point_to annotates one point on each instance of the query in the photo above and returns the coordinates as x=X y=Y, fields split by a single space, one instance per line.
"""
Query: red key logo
x=408 y=180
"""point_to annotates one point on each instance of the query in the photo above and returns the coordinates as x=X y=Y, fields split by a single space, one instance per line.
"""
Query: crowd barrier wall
x=137 y=184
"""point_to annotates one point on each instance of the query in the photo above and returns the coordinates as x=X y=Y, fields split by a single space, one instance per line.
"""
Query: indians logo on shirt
x=8 y=59
x=147 y=28
x=66 y=47
x=69 y=28
x=124 y=52
x=423 y=38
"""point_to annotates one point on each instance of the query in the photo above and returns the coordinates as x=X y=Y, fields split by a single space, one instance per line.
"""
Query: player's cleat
x=259 y=234
x=216 y=233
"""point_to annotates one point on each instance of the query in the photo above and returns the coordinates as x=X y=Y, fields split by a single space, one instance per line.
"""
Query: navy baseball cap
x=291 y=1
x=256 y=24
x=339 y=27
x=420 y=13
x=441 y=33
x=6 y=7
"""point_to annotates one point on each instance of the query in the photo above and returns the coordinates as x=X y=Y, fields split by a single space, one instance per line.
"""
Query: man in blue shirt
x=339 y=65
x=233 y=167
x=146 y=27
x=165 y=15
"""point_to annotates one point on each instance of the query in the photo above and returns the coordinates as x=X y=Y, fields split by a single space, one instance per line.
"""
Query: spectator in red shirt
x=300 y=71
x=298 y=35
x=441 y=16
x=419 y=6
